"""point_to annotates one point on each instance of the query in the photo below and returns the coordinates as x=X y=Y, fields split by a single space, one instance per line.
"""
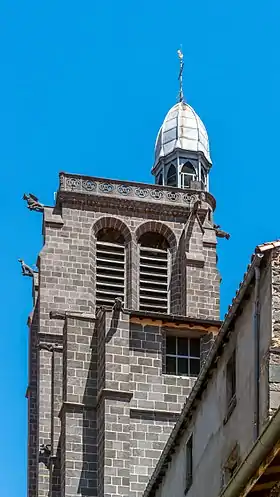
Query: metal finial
x=180 y=77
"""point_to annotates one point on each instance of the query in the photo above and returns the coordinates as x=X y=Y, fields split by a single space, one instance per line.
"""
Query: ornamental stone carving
x=89 y=185
x=142 y=192
x=73 y=184
x=156 y=194
x=173 y=196
x=61 y=181
x=124 y=190
x=191 y=198
x=94 y=186
x=106 y=187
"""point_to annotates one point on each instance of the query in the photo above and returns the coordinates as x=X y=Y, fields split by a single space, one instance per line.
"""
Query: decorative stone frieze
x=136 y=191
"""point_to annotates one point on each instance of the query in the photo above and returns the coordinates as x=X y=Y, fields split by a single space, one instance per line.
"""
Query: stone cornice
x=124 y=396
x=129 y=195
x=136 y=412
x=108 y=393
x=62 y=315
x=51 y=338
x=75 y=406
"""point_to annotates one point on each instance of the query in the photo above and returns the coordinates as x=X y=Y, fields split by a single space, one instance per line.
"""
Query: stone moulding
x=118 y=395
x=87 y=316
x=136 y=191
x=144 y=413
x=75 y=406
x=108 y=393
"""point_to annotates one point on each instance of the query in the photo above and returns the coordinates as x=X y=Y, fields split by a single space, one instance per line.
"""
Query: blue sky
x=84 y=88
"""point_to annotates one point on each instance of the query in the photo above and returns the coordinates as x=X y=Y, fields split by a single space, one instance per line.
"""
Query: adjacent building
x=227 y=439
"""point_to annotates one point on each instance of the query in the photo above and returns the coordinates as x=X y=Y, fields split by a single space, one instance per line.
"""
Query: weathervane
x=180 y=77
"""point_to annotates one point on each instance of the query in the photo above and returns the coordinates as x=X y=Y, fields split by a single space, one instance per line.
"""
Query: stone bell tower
x=126 y=305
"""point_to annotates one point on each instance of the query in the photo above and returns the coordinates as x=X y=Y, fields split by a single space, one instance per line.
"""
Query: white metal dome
x=182 y=129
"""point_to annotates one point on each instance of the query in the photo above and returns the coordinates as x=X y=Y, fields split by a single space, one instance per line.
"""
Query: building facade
x=126 y=309
x=227 y=439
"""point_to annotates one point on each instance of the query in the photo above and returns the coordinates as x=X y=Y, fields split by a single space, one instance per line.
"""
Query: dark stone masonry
x=125 y=310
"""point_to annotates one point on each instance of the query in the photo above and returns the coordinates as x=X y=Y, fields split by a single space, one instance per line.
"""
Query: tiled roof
x=268 y=246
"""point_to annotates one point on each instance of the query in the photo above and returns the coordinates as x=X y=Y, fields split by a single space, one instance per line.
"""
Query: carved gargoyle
x=33 y=203
x=220 y=233
x=118 y=305
x=44 y=454
x=26 y=270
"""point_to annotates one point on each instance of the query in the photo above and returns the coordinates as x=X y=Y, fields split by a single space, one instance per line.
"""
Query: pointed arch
x=188 y=168
x=171 y=177
x=188 y=174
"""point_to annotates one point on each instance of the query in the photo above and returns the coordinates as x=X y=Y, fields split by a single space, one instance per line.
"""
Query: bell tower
x=126 y=307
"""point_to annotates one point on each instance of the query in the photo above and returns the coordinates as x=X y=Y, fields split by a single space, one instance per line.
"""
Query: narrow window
x=188 y=174
x=110 y=267
x=231 y=379
x=153 y=287
x=171 y=179
x=189 y=463
x=182 y=356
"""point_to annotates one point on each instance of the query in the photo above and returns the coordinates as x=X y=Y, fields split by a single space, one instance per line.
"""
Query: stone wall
x=63 y=408
x=32 y=396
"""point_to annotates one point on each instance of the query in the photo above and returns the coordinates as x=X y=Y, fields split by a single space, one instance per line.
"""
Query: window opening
x=182 y=356
x=171 y=179
x=188 y=174
x=110 y=267
x=153 y=284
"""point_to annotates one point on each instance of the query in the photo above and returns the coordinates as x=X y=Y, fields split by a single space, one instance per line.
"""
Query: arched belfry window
x=153 y=272
x=188 y=174
x=171 y=179
x=110 y=266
